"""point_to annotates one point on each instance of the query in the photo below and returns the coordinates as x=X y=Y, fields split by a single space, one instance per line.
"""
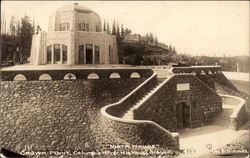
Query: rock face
x=58 y=115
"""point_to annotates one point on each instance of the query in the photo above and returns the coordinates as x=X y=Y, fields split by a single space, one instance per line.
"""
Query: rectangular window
x=64 y=27
x=64 y=51
x=81 y=54
x=87 y=27
x=49 y=53
x=97 y=55
x=89 y=54
x=57 y=52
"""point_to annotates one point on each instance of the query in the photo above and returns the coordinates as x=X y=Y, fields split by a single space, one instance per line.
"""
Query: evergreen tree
x=104 y=26
x=12 y=26
x=26 y=34
x=170 y=49
x=114 y=28
x=151 y=38
x=174 y=51
x=117 y=30
x=122 y=31
x=156 y=41
x=108 y=29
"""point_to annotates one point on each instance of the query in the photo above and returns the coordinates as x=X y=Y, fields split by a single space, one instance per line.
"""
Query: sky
x=214 y=28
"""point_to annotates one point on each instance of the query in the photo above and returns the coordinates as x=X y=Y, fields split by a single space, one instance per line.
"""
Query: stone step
x=130 y=113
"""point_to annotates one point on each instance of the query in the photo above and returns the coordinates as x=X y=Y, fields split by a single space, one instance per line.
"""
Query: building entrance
x=183 y=115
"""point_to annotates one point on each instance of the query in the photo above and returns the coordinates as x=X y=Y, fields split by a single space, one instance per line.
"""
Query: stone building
x=74 y=37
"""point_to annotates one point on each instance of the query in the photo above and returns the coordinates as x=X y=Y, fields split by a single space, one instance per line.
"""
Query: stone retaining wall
x=240 y=115
x=59 y=115
x=143 y=133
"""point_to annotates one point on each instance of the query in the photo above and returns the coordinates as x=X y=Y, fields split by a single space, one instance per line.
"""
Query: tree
x=156 y=41
x=108 y=29
x=27 y=31
x=170 y=49
x=174 y=51
x=114 y=28
x=104 y=26
x=127 y=32
x=117 y=30
x=151 y=38
x=122 y=31
x=12 y=26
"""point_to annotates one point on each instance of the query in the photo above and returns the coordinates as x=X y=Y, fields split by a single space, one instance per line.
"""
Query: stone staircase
x=223 y=119
x=130 y=112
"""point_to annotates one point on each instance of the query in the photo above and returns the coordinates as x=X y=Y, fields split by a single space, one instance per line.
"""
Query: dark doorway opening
x=183 y=115
x=89 y=54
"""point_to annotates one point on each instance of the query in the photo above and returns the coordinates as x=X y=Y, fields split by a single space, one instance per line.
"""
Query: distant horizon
x=195 y=28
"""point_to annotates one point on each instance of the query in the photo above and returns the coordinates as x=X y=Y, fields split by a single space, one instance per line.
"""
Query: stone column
x=233 y=123
x=175 y=136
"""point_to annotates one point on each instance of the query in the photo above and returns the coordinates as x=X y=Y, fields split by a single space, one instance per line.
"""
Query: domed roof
x=75 y=7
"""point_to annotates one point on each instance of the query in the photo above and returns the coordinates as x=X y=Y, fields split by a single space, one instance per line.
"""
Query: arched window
x=45 y=77
x=115 y=75
x=69 y=76
x=19 y=77
x=49 y=54
x=135 y=75
x=93 y=76
x=64 y=51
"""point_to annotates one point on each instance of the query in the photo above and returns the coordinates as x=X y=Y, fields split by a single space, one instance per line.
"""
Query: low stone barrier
x=60 y=74
x=240 y=115
x=141 y=132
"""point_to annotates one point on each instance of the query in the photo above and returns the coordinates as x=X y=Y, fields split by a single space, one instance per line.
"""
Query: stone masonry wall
x=142 y=134
x=161 y=106
x=59 y=115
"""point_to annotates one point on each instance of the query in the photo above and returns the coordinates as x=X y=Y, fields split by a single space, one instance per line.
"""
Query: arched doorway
x=183 y=115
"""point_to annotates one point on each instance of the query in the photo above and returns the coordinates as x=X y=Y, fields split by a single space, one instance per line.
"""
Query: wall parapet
x=239 y=115
x=59 y=74
x=138 y=131
x=197 y=69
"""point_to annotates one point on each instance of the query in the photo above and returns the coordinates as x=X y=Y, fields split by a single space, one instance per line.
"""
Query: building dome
x=76 y=18
x=75 y=7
